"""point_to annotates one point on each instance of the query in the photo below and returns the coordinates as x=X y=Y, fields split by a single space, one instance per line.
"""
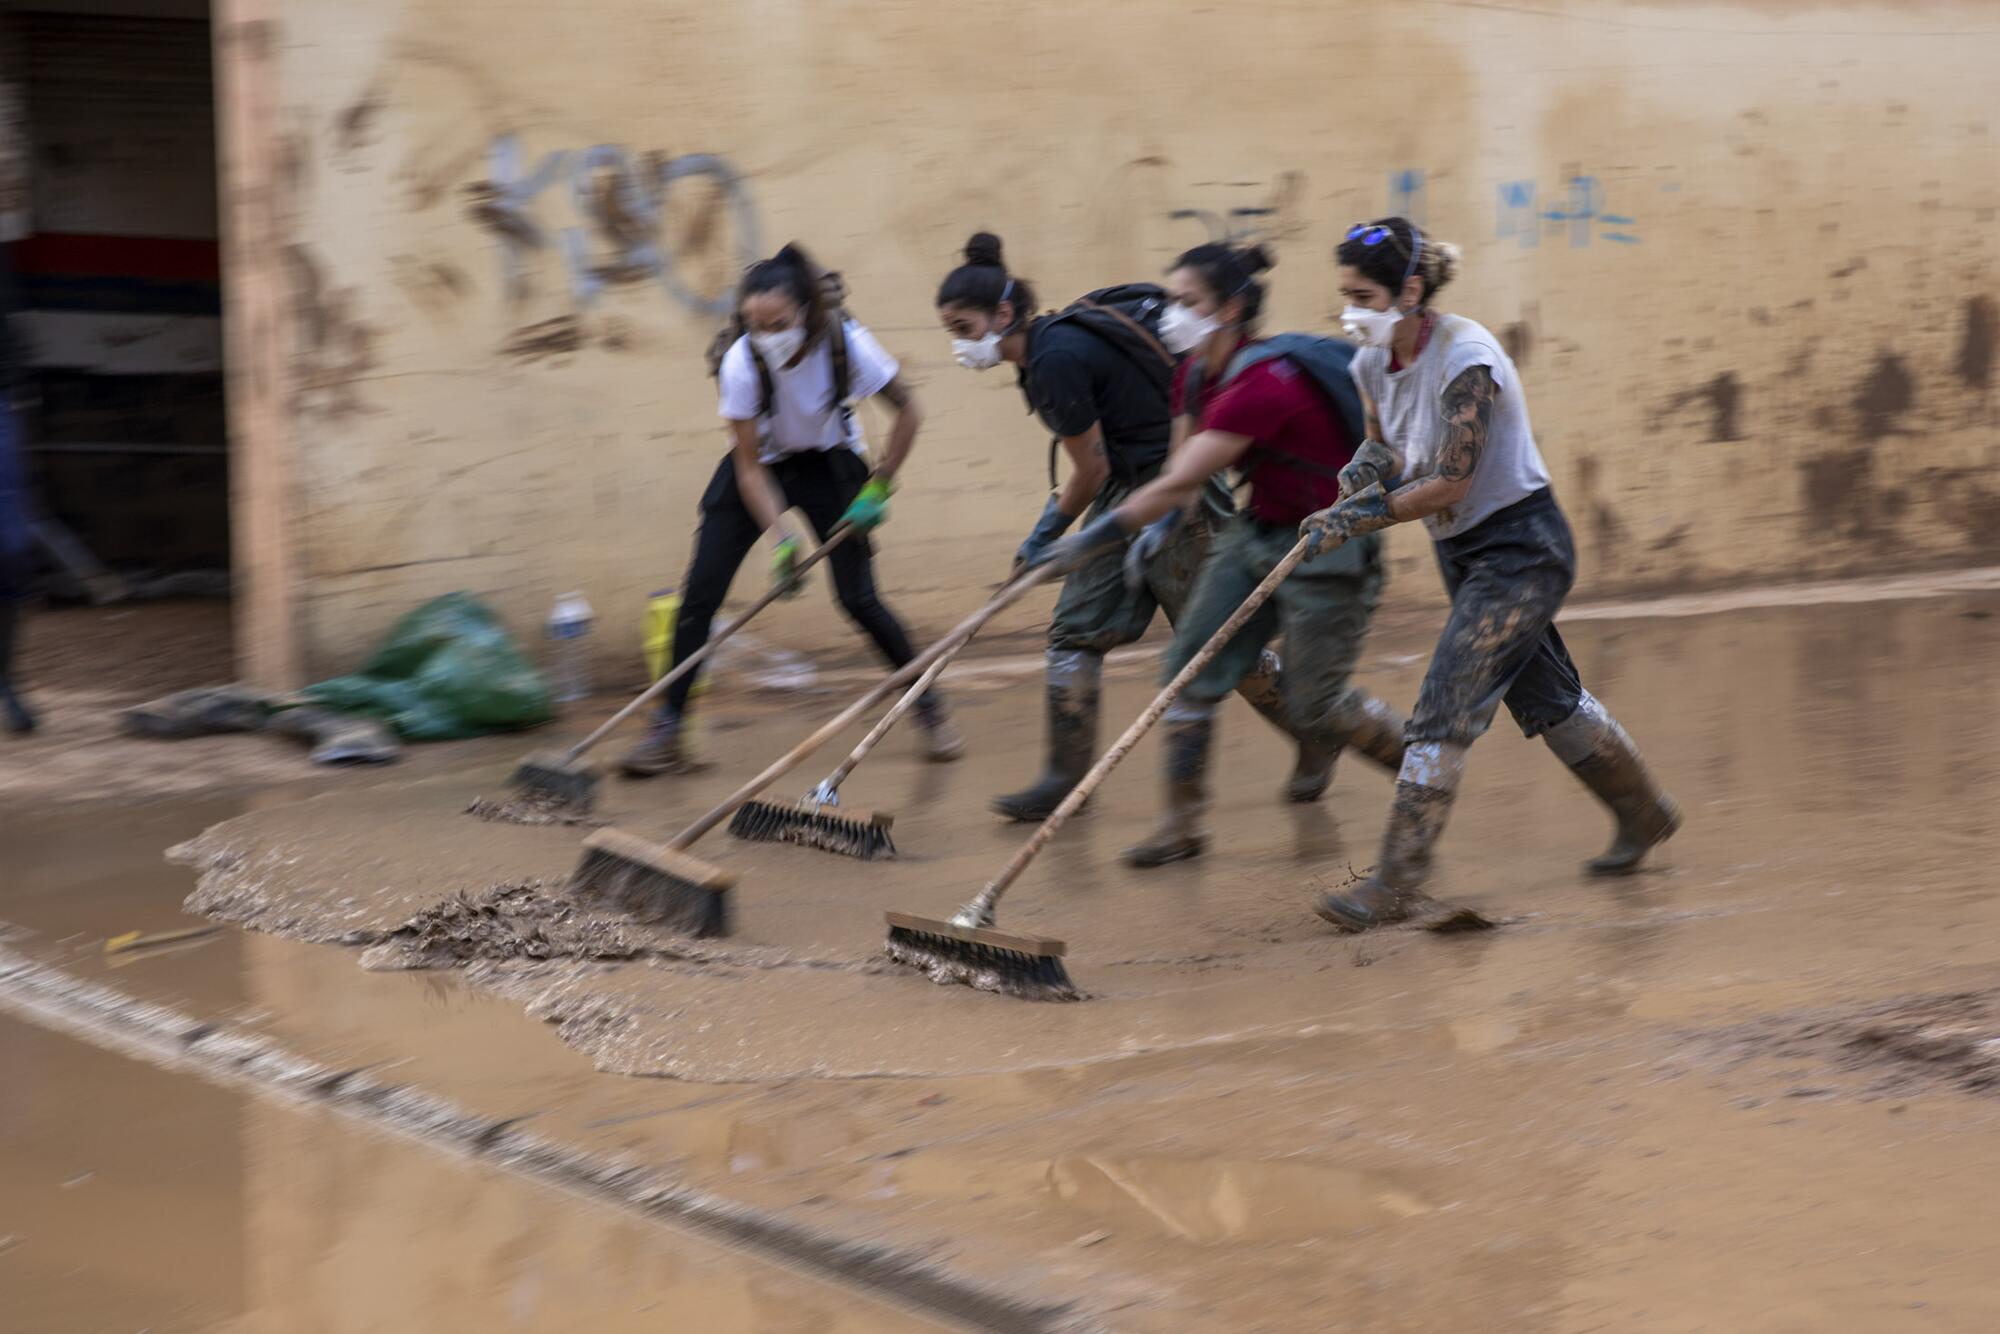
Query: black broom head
x=1027 y=967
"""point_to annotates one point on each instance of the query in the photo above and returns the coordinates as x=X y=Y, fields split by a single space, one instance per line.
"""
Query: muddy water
x=1650 y=1105
x=136 y=1198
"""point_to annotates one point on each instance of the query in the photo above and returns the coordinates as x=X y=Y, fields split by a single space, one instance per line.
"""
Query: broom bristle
x=853 y=833
x=654 y=883
x=572 y=782
x=1027 y=967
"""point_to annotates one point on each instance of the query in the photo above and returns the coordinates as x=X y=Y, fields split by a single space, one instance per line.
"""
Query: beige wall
x=1778 y=365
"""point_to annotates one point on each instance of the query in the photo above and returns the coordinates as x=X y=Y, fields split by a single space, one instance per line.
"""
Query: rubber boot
x=1190 y=731
x=1598 y=751
x=18 y=719
x=661 y=752
x=1074 y=679
x=1425 y=788
x=943 y=742
x=1372 y=728
x=1313 y=770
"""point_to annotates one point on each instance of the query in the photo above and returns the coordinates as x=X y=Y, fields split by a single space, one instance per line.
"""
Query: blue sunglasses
x=1373 y=234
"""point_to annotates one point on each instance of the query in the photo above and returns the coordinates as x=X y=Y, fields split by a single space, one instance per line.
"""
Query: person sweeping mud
x=1280 y=410
x=788 y=389
x=1099 y=375
x=1446 y=409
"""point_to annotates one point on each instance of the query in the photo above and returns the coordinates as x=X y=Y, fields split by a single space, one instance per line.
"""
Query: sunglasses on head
x=1374 y=234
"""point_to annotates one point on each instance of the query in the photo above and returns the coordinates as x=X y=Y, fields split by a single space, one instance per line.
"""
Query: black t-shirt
x=1075 y=377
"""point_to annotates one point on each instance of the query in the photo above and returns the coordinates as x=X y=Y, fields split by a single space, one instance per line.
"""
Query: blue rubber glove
x=1372 y=462
x=1053 y=524
x=1366 y=511
x=870 y=508
x=1072 y=553
x=1150 y=542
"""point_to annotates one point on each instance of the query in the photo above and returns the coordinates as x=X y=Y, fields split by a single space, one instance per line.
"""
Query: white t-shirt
x=802 y=418
x=1409 y=404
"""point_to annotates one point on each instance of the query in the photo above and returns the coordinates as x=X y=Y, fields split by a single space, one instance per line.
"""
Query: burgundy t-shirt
x=1287 y=417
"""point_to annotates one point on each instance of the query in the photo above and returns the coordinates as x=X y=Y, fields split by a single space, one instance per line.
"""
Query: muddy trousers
x=821 y=484
x=1095 y=612
x=1507 y=579
x=1322 y=610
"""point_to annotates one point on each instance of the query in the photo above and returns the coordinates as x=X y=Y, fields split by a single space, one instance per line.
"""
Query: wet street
x=1752 y=1088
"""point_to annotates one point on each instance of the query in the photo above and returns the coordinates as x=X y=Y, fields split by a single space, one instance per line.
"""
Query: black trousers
x=822 y=484
x=1507 y=579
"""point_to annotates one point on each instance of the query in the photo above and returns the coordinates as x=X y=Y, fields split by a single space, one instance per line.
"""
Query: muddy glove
x=1373 y=462
x=1053 y=524
x=785 y=576
x=1150 y=542
x=1366 y=511
x=1072 y=553
x=870 y=508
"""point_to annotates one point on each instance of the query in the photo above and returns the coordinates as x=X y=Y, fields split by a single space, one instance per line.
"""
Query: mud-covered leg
x=1598 y=751
x=1189 y=729
x=1075 y=678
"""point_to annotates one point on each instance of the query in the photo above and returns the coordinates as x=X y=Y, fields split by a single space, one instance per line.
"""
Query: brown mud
x=530 y=808
x=1619 y=1111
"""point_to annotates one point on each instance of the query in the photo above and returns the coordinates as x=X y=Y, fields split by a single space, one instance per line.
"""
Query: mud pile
x=505 y=924
x=530 y=808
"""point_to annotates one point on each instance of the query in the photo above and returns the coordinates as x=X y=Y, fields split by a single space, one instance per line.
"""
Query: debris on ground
x=1950 y=1041
x=530 y=808
x=508 y=923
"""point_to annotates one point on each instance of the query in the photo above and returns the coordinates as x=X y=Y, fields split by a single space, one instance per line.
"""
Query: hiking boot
x=1180 y=834
x=1425 y=788
x=1598 y=751
x=1073 y=681
x=943 y=742
x=660 y=752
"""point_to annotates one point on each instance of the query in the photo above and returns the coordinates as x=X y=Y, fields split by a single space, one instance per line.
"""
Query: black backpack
x=1127 y=317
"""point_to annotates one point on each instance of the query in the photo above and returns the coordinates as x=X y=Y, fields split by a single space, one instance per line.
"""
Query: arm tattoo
x=1468 y=411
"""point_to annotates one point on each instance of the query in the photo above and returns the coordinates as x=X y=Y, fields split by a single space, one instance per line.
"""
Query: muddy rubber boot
x=1074 y=678
x=1312 y=772
x=20 y=721
x=1190 y=731
x=660 y=752
x=1425 y=787
x=1598 y=751
x=943 y=742
x=1371 y=728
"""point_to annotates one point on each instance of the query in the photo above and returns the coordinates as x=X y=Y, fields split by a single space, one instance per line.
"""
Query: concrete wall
x=1742 y=253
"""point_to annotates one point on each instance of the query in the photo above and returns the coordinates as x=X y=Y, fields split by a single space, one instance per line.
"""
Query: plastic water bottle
x=569 y=636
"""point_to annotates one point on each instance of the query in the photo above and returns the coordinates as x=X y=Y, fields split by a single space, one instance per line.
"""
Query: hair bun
x=1448 y=256
x=984 y=249
x=1256 y=258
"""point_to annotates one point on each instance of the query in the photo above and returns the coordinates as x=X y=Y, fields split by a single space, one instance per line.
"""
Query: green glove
x=785 y=576
x=870 y=507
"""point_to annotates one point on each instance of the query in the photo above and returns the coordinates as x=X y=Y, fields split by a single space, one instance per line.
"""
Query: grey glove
x=1372 y=462
x=1053 y=524
x=1366 y=511
x=1150 y=542
x=1072 y=553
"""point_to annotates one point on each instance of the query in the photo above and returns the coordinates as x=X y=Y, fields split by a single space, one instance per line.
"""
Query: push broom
x=818 y=820
x=662 y=883
x=560 y=775
x=967 y=949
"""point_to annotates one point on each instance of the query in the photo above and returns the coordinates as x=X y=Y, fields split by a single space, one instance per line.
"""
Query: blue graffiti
x=1580 y=212
x=626 y=201
x=1407 y=196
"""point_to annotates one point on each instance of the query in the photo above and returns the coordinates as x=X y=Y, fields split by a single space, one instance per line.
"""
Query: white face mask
x=1183 y=331
x=778 y=348
x=1370 y=328
x=977 y=354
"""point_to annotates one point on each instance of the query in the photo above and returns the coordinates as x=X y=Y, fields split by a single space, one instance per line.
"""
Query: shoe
x=1180 y=834
x=1074 y=681
x=1601 y=755
x=659 y=753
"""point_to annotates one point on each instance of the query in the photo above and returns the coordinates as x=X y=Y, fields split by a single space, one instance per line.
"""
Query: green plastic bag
x=447 y=670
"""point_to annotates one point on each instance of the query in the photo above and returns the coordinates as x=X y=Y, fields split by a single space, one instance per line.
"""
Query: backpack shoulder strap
x=1146 y=336
x=767 y=388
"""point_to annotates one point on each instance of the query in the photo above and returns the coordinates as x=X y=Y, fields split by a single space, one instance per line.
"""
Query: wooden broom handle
x=980 y=909
x=652 y=692
x=951 y=643
x=891 y=718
